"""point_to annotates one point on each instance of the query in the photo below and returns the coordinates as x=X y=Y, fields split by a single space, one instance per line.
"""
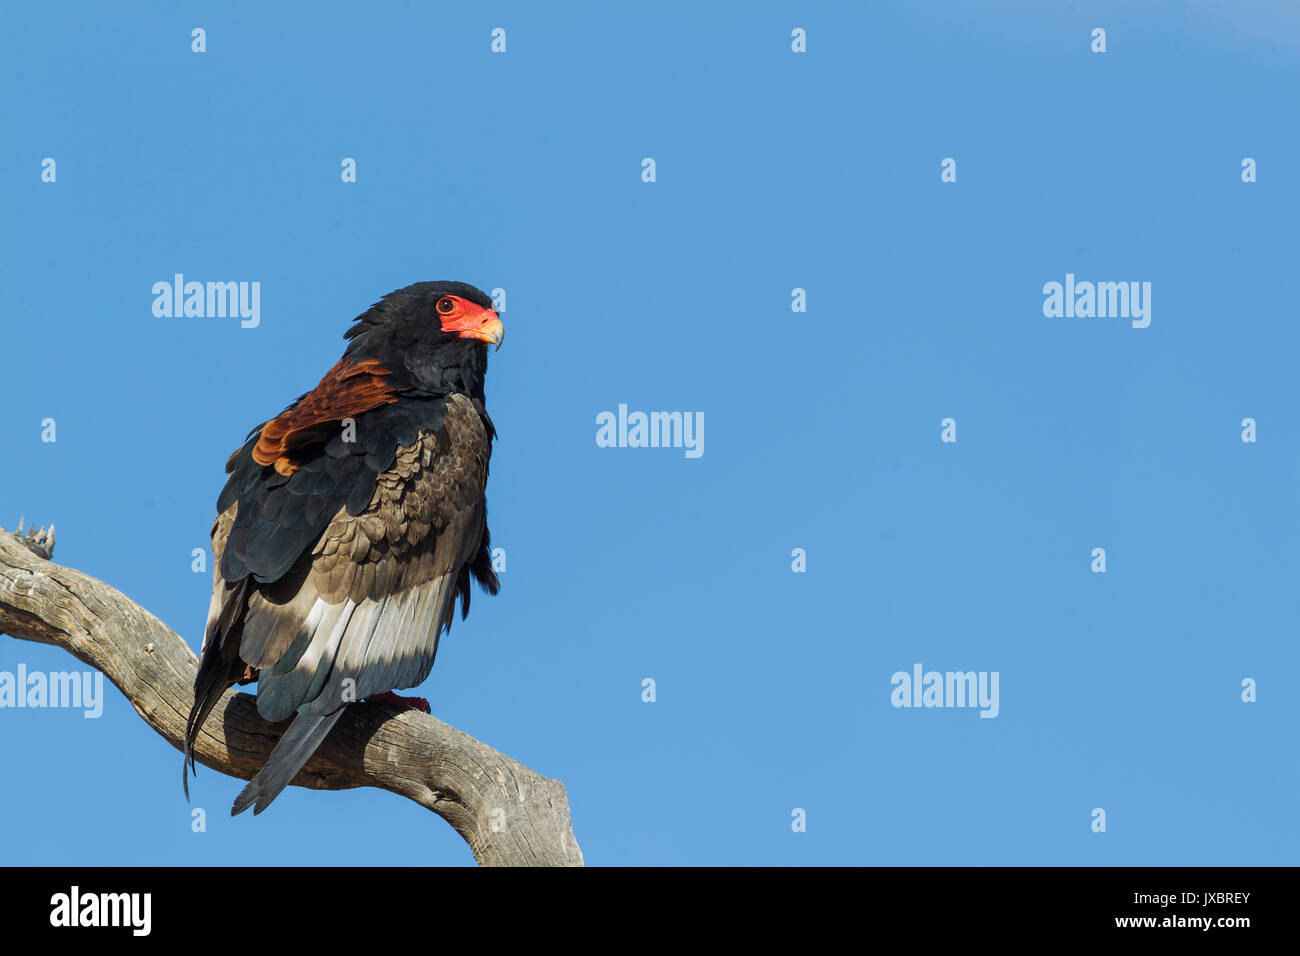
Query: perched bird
x=350 y=523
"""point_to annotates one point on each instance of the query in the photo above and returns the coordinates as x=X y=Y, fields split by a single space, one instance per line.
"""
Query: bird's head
x=436 y=333
x=465 y=312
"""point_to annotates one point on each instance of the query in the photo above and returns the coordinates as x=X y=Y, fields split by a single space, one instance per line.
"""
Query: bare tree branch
x=509 y=815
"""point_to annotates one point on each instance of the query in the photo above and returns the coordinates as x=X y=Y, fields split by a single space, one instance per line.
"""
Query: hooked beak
x=493 y=331
x=483 y=325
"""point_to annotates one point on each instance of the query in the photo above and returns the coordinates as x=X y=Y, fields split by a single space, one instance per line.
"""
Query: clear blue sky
x=775 y=170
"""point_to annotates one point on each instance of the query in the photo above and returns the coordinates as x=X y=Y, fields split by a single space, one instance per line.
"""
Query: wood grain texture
x=509 y=815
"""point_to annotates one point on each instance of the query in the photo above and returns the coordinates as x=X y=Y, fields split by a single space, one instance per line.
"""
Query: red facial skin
x=469 y=321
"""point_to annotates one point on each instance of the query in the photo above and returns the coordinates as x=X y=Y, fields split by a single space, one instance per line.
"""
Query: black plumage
x=350 y=524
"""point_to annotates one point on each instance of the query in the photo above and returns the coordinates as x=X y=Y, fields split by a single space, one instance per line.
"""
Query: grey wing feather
x=291 y=752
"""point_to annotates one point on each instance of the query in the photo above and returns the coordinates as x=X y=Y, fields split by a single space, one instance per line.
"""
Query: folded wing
x=326 y=599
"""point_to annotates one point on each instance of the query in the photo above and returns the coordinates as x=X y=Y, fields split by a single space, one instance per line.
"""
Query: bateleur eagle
x=350 y=523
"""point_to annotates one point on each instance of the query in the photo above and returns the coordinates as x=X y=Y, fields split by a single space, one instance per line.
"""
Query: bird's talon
x=410 y=703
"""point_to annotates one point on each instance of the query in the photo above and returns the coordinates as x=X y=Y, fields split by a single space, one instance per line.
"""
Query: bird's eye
x=446 y=306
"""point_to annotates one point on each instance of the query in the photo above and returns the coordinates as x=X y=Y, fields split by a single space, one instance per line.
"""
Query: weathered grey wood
x=509 y=815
